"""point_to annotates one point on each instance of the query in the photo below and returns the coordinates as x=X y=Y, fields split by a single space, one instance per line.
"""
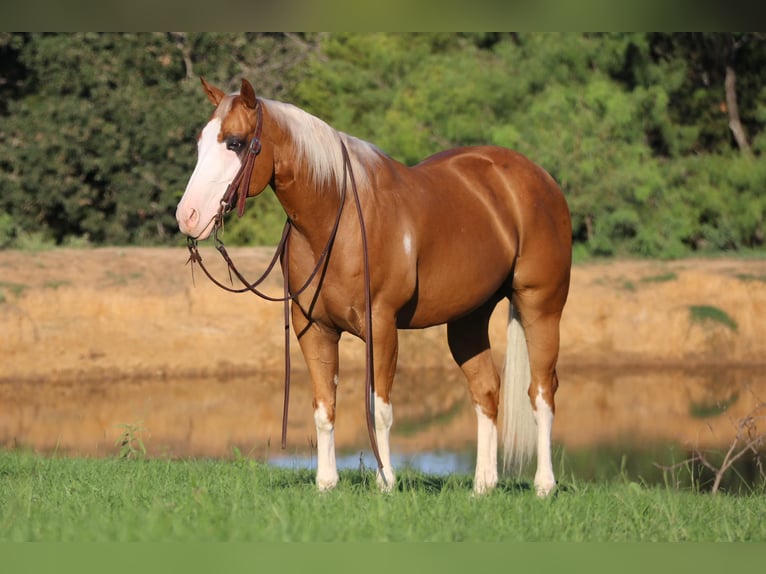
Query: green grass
x=660 y=277
x=709 y=313
x=122 y=279
x=55 y=284
x=705 y=409
x=16 y=289
x=67 y=499
x=623 y=284
x=750 y=277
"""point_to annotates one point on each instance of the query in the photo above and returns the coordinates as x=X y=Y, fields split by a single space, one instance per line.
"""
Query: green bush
x=97 y=131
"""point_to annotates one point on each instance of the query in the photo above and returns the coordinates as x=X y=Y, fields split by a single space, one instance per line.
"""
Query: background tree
x=97 y=141
x=656 y=139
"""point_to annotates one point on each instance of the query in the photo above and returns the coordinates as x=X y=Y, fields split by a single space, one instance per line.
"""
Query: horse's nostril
x=193 y=217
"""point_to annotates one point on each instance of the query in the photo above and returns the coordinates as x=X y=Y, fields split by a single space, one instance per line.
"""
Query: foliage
x=261 y=224
x=97 y=130
x=99 y=141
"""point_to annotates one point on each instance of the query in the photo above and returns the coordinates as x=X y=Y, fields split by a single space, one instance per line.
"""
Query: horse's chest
x=334 y=301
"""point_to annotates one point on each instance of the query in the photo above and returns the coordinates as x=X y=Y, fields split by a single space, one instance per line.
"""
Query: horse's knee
x=384 y=414
x=488 y=405
x=486 y=396
x=324 y=416
x=544 y=391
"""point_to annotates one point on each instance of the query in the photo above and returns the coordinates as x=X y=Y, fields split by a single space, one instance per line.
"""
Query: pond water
x=440 y=463
x=614 y=411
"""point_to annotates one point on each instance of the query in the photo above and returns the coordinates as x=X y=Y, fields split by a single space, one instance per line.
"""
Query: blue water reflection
x=438 y=463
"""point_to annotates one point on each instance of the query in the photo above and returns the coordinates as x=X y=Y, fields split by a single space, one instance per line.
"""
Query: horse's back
x=507 y=183
x=474 y=215
x=541 y=221
x=509 y=170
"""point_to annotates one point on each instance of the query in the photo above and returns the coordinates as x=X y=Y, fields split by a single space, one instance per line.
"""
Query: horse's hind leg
x=320 y=350
x=469 y=343
x=541 y=330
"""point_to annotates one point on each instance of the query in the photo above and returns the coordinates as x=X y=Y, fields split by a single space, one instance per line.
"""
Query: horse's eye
x=235 y=144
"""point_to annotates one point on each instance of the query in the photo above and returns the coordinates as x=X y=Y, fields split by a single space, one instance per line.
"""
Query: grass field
x=55 y=499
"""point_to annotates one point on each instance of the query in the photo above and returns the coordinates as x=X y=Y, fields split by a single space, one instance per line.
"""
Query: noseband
x=239 y=188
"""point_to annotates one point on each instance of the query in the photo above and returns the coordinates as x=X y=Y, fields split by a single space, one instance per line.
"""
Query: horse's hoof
x=328 y=483
x=544 y=490
x=388 y=484
x=484 y=485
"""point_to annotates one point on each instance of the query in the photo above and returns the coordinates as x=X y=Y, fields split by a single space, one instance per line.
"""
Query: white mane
x=318 y=146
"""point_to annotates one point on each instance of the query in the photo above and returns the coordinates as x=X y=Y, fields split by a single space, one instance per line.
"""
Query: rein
x=239 y=188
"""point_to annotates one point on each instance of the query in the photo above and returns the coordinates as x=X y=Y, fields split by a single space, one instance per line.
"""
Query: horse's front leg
x=320 y=350
x=386 y=345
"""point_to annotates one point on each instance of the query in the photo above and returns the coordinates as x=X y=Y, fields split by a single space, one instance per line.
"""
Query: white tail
x=519 y=426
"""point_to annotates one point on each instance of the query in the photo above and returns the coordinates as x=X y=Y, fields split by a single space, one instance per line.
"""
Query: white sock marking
x=384 y=418
x=327 y=470
x=544 y=479
x=486 y=453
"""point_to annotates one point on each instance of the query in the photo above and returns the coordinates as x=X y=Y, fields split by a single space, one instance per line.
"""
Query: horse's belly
x=453 y=290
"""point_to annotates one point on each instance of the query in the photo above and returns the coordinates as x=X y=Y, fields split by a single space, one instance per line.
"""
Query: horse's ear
x=247 y=93
x=215 y=95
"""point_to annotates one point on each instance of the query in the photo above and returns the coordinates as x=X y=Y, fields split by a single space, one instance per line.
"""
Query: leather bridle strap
x=369 y=387
x=239 y=185
x=242 y=179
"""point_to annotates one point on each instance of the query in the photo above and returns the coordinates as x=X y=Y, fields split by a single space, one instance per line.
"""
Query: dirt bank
x=91 y=339
x=136 y=313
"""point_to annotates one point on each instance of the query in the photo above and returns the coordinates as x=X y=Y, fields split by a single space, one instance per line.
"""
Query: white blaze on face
x=216 y=168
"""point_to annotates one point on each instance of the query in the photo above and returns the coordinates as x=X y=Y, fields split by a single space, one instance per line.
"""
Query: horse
x=445 y=241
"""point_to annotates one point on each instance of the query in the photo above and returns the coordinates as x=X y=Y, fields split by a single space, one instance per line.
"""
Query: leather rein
x=238 y=188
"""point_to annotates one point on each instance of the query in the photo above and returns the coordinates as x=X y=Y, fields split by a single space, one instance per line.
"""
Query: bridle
x=238 y=188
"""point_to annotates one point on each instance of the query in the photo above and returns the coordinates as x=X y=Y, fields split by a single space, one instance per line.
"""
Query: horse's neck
x=312 y=211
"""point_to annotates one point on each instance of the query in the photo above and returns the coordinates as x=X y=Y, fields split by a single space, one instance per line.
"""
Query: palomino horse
x=446 y=240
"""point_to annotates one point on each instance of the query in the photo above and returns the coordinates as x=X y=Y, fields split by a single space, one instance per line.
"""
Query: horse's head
x=221 y=149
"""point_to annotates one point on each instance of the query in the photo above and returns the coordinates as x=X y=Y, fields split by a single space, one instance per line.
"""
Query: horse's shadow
x=406 y=481
x=435 y=484
x=411 y=481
